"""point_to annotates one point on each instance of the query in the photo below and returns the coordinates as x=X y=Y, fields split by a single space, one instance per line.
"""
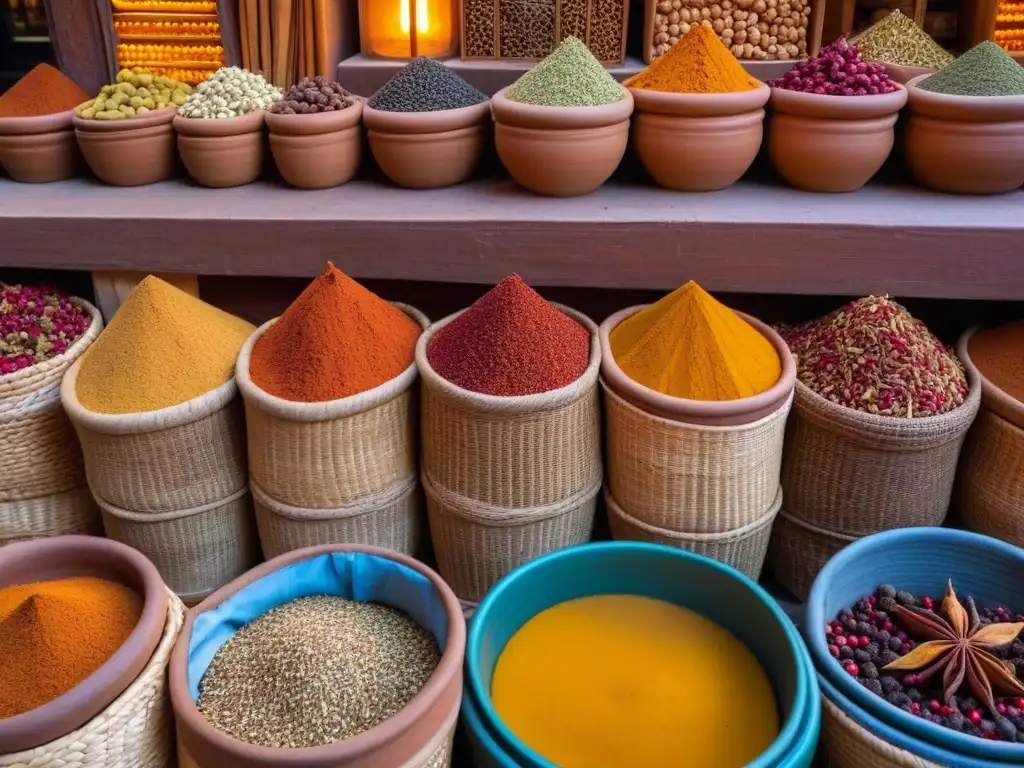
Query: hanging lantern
x=405 y=29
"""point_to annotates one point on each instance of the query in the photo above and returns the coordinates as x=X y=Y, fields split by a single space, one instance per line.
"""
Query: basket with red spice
x=882 y=409
x=511 y=433
x=42 y=479
x=329 y=390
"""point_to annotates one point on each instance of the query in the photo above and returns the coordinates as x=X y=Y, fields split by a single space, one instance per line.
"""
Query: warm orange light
x=397 y=29
x=422 y=17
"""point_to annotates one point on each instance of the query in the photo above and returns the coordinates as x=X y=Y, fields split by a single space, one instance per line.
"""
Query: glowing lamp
x=405 y=29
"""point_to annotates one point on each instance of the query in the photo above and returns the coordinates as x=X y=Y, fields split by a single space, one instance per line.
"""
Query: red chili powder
x=511 y=342
x=337 y=339
x=43 y=91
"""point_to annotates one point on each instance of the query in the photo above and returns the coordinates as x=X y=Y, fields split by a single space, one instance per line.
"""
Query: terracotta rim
x=968 y=109
x=24 y=126
x=700 y=412
x=100 y=137
x=531 y=116
x=210 y=746
x=67 y=556
x=838 y=107
x=440 y=121
x=159 y=117
x=903 y=74
x=250 y=122
x=995 y=399
x=317 y=123
x=700 y=104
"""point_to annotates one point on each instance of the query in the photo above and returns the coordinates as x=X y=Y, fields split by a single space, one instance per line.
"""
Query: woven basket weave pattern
x=798 y=551
x=857 y=474
x=990 y=492
x=394 y=523
x=688 y=478
x=41 y=455
x=851 y=746
x=135 y=731
x=59 y=514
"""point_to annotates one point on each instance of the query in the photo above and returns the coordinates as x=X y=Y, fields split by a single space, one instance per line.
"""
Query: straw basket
x=507 y=478
x=743 y=548
x=690 y=478
x=42 y=479
x=135 y=731
x=856 y=473
x=799 y=550
x=850 y=746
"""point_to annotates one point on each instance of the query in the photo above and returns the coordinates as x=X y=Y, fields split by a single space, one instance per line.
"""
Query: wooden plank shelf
x=753 y=237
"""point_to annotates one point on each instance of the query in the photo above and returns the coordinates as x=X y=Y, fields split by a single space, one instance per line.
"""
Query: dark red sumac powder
x=510 y=342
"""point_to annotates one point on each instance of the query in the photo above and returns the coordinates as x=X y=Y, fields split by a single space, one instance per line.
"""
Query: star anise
x=961 y=647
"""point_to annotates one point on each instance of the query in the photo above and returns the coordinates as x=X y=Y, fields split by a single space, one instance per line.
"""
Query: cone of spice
x=985 y=70
x=45 y=90
x=510 y=382
x=896 y=39
x=699 y=63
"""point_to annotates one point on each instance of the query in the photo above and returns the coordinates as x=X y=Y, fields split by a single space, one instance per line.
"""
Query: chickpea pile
x=765 y=30
x=135 y=93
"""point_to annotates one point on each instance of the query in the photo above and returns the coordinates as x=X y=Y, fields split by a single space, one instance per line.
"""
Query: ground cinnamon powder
x=54 y=634
x=43 y=91
x=999 y=354
x=337 y=339
x=511 y=342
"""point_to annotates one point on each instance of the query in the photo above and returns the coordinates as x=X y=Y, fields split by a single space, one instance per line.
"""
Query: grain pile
x=896 y=39
x=424 y=85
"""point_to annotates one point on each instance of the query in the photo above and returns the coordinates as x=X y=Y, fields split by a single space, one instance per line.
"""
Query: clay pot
x=317 y=151
x=222 y=152
x=63 y=557
x=698 y=142
x=428 y=150
x=129 y=152
x=968 y=145
x=831 y=143
x=904 y=75
x=561 y=151
x=39 y=149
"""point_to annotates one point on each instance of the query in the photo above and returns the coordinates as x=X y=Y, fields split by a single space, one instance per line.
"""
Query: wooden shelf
x=751 y=238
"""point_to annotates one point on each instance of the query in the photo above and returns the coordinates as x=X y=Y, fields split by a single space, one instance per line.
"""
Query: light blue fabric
x=355 y=575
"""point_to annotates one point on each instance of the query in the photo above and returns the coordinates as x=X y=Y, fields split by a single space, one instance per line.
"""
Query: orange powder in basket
x=623 y=681
x=43 y=91
x=337 y=339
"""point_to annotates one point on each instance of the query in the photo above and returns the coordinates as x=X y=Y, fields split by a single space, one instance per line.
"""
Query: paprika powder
x=43 y=91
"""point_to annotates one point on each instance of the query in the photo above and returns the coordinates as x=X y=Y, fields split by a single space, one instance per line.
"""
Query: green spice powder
x=896 y=39
x=985 y=70
x=569 y=77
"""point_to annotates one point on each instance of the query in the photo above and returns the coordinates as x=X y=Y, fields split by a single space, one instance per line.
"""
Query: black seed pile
x=424 y=85
x=868 y=636
x=313 y=94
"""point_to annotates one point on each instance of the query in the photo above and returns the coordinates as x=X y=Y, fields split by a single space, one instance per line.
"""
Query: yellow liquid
x=630 y=681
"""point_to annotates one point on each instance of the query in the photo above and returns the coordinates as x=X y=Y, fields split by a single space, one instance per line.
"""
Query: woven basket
x=41 y=460
x=186 y=456
x=689 y=478
x=135 y=731
x=476 y=544
x=848 y=745
x=856 y=473
x=744 y=548
x=393 y=520
x=799 y=550
x=331 y=454
x=196 y=550
x=990 y=484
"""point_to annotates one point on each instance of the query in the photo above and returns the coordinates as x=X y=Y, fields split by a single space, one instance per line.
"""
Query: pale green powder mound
x=569 y=77
x=985 y=70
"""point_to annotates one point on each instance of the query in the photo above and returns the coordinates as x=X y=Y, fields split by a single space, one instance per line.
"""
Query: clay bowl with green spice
x=222 y=152
x=698 y=142
x=39 y=149
x=130 y=152
x=966 y=145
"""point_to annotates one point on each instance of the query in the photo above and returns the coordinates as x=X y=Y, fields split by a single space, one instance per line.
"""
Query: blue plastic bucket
x=716 y=591
x=919 y=560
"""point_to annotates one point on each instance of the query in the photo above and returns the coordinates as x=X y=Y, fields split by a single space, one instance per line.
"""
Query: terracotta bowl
x=967 y=145
x=992 y=397
x=831 y=143
x=428 y=150
x=317 y=151
x=722 y=413
x=222 y=153
x=130 y=152
x=39 y=149
x=561 y=151
x=698 y=142
x=68 y=556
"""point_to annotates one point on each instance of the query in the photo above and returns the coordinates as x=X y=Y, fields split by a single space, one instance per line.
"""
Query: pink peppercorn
x=36 y=324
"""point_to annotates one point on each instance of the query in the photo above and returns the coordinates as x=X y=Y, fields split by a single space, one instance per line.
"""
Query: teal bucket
x=716 y=591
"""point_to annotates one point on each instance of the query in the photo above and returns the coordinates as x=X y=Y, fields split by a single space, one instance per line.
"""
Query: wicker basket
x=799 y=550
x=393 y=520
x=848 y=745
x=692 y=479
x=196 y=550
x=135 y=731
x=990 y=483
x=855 y=473
x=183 y=457
x=744 y=548
x=331 y=454
x=42 y=477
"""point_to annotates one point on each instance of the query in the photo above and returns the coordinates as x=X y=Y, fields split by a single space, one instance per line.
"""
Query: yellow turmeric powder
x=690 y=345
x=699 y=63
